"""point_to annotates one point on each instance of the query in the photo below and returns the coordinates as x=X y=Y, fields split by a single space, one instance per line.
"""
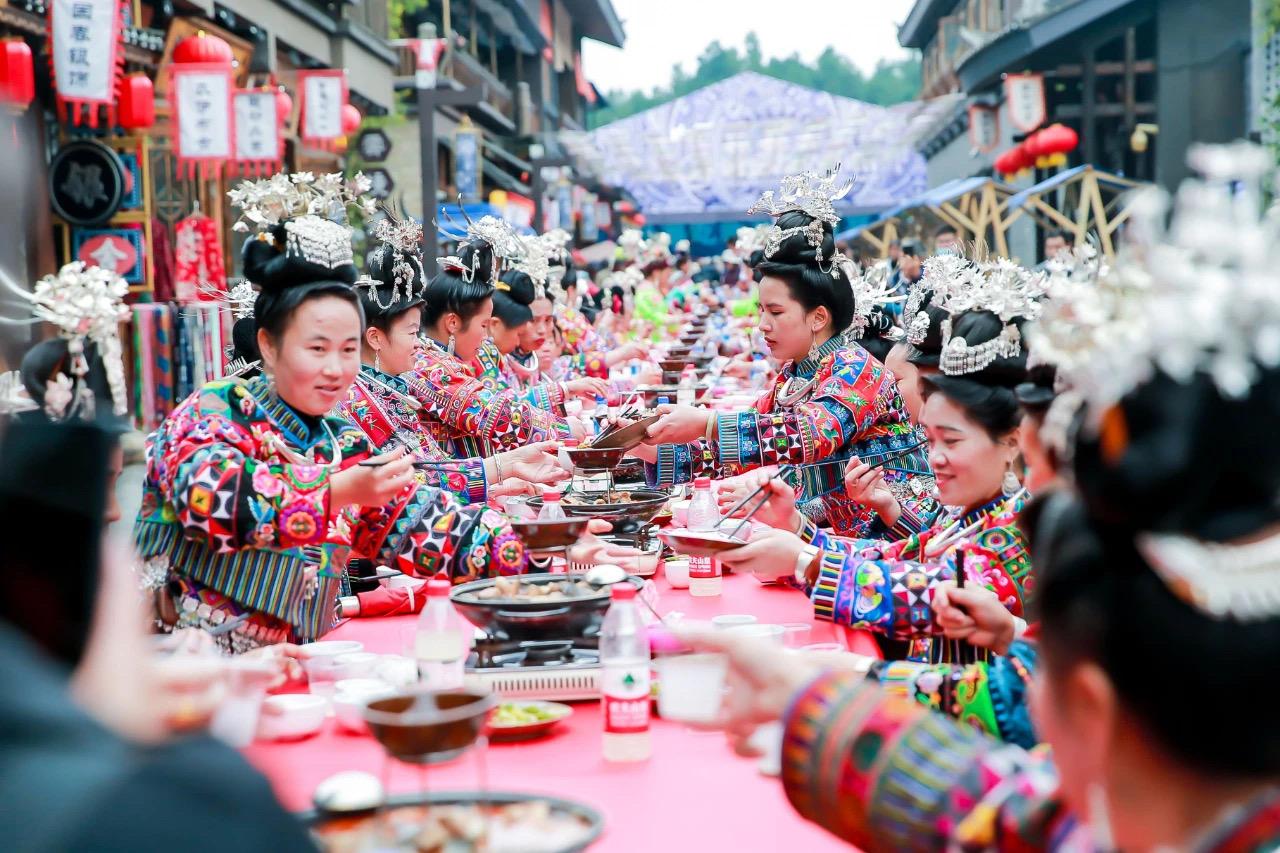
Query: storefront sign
x=87 y=55
x=380 y=183
x=259 y=145
x=374 y=145
x=984 y=127
x=115 y=249
x=200 y=96
x=324 y=94
x=466 y=162
x=1024 y=99
x=87 y=182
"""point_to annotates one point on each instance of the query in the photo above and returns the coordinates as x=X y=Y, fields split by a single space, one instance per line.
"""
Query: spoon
x=607 y=574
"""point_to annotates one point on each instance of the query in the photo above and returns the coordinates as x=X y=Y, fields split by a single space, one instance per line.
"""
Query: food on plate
x=532 y=826
x=514 y=589
x=522 y=713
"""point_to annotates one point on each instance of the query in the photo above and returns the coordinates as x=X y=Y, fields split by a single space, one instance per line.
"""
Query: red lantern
x=284 y=106
x=203 y=48
x=1058 y=140
x=1007 y=163
x=137 y=102
x=17 y=75
x=351 y=119
x=1036 y=153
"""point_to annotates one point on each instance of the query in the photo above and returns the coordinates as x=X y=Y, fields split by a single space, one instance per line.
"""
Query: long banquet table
x=692 y=794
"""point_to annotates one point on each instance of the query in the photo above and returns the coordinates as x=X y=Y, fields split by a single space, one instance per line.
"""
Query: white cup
x=691 y=687
x=677 y=573
x=772 y=633
x=725 y=621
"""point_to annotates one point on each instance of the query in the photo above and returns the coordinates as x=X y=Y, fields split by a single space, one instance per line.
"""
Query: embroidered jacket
x=887 y=587
x=468 y=418
x=990 y=696
x=387 y=421
x=491 y=367
x=579 y=335
x=231 y=500
x=885 y=773
x=851 y=409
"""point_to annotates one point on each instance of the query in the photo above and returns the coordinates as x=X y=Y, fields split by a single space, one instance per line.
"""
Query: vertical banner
x=466 y=161
x=259 y=145
x=426 y=55
x=984 y=127
x=564 y=201
x=324 y=94
x=589 y=228
x=86 y=53
x=203 y=124
x=1024 y=99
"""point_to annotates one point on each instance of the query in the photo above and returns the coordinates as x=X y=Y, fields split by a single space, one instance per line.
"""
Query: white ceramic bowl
x=291 y=716
x=397 y=670
x=677 y=573
x=349 y=699
x=330 y=648
x=357 y=664
x=772 y=633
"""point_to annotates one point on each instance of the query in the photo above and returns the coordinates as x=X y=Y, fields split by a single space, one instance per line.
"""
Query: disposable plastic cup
x=691 y=687
x=772 y=633
x=796 y=634
x=725 y=621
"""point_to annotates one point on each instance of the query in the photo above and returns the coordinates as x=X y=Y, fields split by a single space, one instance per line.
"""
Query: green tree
x=891 y=82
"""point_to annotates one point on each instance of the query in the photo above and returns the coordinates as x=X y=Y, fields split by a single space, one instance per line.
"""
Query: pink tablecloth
x=693 y=794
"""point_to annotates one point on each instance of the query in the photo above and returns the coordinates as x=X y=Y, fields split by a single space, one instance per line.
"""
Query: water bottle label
x=704 y=567
x=625 y=695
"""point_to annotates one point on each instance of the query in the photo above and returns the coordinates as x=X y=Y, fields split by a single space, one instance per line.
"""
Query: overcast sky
x=662 y=33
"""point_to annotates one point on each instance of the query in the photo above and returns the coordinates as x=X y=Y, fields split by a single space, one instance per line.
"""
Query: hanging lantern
x=1036 y=152
x=1057 y=141
x=203 y=48
x=284 y=106
x=1025 y=160
x=137 y=102
x=17 y=75
x=1007 y=164
x=351 y=119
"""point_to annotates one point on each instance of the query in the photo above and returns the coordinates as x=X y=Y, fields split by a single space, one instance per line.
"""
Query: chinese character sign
x=200 y=95
x=259 y=146
x=87 y=56
x=984 y=127
x=466 y=163
x=1024 y=98
x=324 y=94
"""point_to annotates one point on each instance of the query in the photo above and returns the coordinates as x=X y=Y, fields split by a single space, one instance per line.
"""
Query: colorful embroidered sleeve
x=427 y=532
x=465 y=405
x=590 y=363
x=206 y=466
x=989 y=696
x=885 y=773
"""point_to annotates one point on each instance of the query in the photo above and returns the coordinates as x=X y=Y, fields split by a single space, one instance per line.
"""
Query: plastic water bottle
x=704 y=572
x=624 y=678
x=759 y=370
x=551 y=509
x=685 y=393
x=442 y=639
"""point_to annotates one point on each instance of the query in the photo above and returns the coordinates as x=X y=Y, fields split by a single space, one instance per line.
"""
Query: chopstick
x=951 y=535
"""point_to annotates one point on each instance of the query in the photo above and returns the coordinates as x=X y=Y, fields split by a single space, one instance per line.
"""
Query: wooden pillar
x=1088 y=103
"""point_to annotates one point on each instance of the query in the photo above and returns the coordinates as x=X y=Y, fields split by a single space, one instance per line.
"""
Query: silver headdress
x=310 y=210
x=545 y=262
x=85 y=303
x=870 y=291
x=13 y=395
x=999 y=286
x=401 y=250
x=631 y=242
x=507 y=246
x=628 y=279
x=809 y=194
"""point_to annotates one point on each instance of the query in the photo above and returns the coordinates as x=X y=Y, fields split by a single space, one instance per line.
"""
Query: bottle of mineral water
x=624 y=678
x=685 y=393
x=441 y=641
x=704 y=572
x=551 y=509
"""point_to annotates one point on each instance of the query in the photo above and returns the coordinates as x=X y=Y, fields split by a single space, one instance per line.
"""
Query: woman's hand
x=587 y=388
x=974 y=614
x=373 y=482
x=865 y=485
x=679 y=425
x=763 y=678
x=779 y=509
x=769 y=555
x=512 y=487
x=536 y=463
x=577 y=429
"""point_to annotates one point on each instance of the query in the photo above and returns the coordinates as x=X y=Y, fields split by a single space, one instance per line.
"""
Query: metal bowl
x=532 y=619
x=549 y=535
x=428 y=726
x=626 y=518
x=595 y=458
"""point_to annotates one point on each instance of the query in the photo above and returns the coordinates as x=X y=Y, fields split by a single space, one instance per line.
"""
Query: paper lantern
x=284 y=106
x=137 y=102
x=351 y=119
x=1007 y=163
x=17 y=75
x=1036 y=152
x=1058 y=140
x=203 y=48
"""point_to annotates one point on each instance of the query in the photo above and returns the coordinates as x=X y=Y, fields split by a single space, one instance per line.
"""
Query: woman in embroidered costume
x=379 y=402
x=255 y=495
x=466 y=416
x=1159 y=568
x=831 y=400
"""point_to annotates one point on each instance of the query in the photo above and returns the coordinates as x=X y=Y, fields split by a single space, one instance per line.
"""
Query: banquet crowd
x=1051 y=494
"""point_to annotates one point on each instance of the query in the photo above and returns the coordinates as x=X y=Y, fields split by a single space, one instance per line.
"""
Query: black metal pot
x=626 y=518
x=512 y=619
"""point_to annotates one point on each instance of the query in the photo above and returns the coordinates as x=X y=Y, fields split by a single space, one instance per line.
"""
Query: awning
x=453 y=219
x=1105 y=179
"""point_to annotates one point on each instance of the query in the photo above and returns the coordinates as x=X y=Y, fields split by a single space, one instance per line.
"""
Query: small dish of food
x=526 y=720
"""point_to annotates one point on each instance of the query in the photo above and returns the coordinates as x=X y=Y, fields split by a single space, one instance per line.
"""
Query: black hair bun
x=520 y=288
x=1180 y=457
x=928 y=352
x=979 y=327
x=51 y=357
x=267 y=265
x=244 y=339
x=797 y=248
x=1037 y=392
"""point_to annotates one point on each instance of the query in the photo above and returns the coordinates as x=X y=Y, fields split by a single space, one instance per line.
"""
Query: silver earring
x=813 y=346
x=377 y=360
x=1010 y=484
x=1099 y=818
x=451 y=342
x=271 y=382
